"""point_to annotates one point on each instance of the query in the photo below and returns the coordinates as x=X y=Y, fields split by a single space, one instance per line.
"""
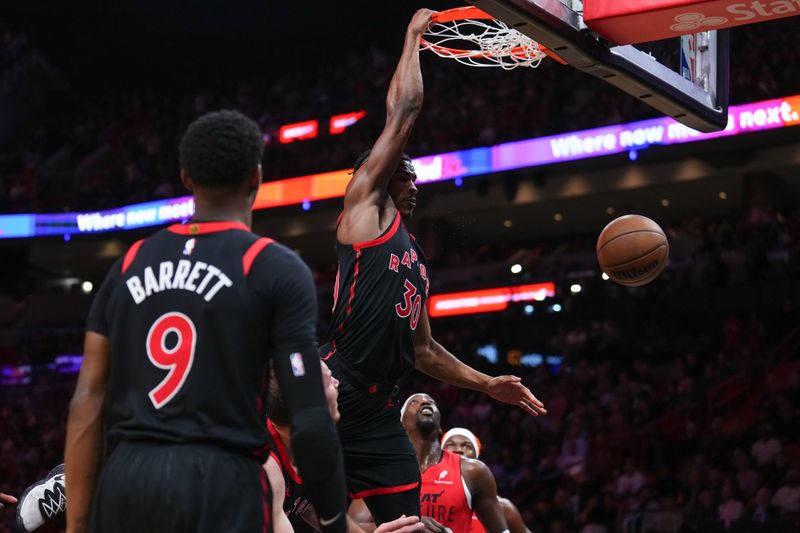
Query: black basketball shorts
x=378 y=457
x=176 y=488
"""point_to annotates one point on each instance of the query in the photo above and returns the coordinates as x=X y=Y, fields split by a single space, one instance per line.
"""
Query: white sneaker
x=43 y=501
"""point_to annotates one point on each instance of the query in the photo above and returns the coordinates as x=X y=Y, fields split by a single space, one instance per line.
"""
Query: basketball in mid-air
x=632 y=250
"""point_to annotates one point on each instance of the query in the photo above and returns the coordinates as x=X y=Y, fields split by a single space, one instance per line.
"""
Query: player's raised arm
x=314 y=441
x=403 y=104
x=433 y=359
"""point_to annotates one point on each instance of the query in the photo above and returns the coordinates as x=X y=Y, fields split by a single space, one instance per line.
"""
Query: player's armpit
x=483 y=487
x=84 y=445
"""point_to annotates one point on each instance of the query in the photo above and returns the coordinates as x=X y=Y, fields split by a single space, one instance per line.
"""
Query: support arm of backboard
x=562 y=30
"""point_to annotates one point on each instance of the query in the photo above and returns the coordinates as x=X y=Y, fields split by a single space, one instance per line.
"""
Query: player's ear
x=187 y=180
x=255 y=178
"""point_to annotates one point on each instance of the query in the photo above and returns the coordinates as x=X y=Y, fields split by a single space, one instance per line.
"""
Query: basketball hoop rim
x=472 y=13
x=461 y=13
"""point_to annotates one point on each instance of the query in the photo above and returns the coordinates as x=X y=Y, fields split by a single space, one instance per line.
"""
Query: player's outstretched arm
x=433 y=359
x=367 y=189
x=84 y=446
x=314 y=442
x=484 y=495
x=513 y=517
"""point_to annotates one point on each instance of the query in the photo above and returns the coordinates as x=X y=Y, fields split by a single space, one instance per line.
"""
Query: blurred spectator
x=630 y=481
x=747 y=479
x=787 y=497
x=766 y=448
x=762 y=513
x=730 y=508
x=573 y=449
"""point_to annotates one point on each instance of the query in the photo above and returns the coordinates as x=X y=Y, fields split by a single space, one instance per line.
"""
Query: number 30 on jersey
x=411 y=305
x=178 y=359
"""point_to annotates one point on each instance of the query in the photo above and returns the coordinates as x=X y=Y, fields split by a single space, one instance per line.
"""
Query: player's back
x=188 y=322
x=381 y=288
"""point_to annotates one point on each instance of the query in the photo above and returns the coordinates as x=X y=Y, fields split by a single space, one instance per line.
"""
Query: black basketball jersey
x=381 y=288
x=295 y=502
x=193 y=313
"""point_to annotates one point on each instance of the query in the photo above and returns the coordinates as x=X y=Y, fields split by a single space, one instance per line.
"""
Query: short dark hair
x=276 y=408
x=361 y=159
x=221 y=149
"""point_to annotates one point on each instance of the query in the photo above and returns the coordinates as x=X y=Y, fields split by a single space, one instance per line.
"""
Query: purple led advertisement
x=596 y=142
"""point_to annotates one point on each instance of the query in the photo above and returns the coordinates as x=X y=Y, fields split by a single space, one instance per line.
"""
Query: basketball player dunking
x=461 y=441
x=380 y=330
x=177 y=349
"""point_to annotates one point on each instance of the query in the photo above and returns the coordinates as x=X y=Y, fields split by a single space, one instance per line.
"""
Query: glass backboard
x=683 y=77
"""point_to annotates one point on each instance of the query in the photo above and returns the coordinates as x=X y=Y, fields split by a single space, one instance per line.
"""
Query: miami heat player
x=462 y=441
x=453 y=487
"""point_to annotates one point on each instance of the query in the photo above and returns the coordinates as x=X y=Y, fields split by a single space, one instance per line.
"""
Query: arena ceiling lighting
x=595 y=142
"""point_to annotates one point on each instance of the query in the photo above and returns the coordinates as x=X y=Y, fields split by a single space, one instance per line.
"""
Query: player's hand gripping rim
x=510 y=390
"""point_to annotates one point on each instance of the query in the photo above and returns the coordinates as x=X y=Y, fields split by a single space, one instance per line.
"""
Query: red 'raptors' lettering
x=178 y=359
x=394 y=261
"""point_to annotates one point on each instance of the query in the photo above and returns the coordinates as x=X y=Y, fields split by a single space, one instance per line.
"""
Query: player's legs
x=380 y=463
x=157 y=488
x=391 y=506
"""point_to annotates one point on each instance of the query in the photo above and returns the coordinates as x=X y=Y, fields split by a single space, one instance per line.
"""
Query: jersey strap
x=388 y=234
x=130 y=255
x=252 y=252
x=201 y=228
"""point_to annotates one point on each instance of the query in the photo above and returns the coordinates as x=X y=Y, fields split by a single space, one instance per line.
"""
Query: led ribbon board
x=595 y=142
x=487 y=300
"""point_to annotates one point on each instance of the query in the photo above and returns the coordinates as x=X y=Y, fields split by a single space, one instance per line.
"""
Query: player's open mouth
x=426 y=411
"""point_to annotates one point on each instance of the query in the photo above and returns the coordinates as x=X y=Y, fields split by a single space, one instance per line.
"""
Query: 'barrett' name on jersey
x=184 y=276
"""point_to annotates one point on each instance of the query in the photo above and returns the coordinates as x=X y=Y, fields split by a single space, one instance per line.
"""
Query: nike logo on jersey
x=326 y=523
x=184 y=276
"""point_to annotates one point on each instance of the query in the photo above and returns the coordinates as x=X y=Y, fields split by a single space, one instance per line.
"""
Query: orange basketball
x=632 y=250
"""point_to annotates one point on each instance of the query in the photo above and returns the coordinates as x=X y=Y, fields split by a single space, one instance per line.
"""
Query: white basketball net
x=493 y=44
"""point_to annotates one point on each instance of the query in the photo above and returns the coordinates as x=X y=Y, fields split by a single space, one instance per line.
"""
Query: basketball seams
x=614 y=238
x=620 y=265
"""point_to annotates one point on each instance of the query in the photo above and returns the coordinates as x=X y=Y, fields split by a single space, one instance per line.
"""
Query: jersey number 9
x=178 y=359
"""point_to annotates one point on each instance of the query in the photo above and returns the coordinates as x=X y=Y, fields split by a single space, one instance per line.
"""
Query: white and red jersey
x=477 y=525
x=444 y=495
